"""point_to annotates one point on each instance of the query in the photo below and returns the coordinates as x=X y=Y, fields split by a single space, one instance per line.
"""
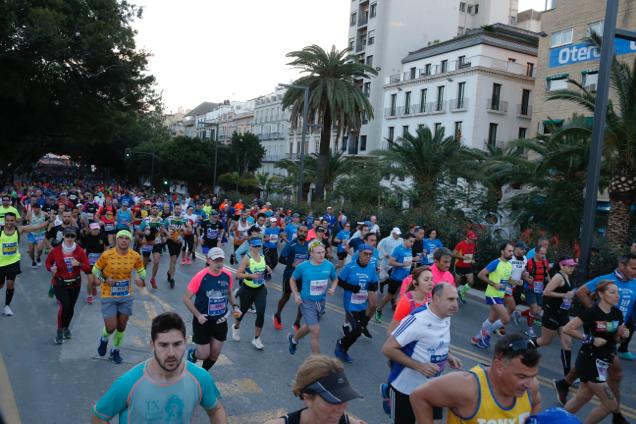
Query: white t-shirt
x=518 y=266
x=424 y=337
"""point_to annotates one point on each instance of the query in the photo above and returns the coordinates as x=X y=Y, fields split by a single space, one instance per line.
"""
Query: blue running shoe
x=103 y=344
x=292 y=346
x=478 y=342
x=341 y=354
x=191 y=356
x=115 y=356
x=386 y=399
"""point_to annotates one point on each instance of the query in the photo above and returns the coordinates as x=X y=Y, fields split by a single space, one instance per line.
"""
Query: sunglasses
x=521 y=346
x=71 y=236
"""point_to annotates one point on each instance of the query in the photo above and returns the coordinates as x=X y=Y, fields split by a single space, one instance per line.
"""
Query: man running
x=212 y=232
x=537 y=278
x=153 y=226
x=464 y=254
x=176 y=226
x=164 y=388
x=506 y=391
x=211 y=289
x=497 y=275
x=271 y=241
x=401 y=260
x=94 y=242
x=114 y=271
x=36 y=238
x=6 y=208
x=386 y=247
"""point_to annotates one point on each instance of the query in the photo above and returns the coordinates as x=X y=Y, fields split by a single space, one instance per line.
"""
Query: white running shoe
x=7 y=312
x=236 y=334
x=256 y=342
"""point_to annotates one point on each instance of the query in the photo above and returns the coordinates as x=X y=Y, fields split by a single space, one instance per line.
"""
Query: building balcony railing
x=270 y=136
x=497 y=106
x=524 y=111
x=436 y=107
x=458 y=105
x=363 y=19
x=390 y=112
x=497 y=143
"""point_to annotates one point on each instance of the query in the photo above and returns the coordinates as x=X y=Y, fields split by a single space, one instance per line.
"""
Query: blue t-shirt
x=402 y=255
x=355 y=243
x=136 y=398
x=124 y=219
x=315 y=278
x=292 y=255
x=344 y=236
x=291 y=229
x=626 y=291
x=271 y=237
x=354 y=274
x=430 y=246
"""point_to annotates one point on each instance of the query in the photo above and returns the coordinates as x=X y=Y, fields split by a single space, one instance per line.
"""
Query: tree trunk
x=618 y=225
x=323 y=156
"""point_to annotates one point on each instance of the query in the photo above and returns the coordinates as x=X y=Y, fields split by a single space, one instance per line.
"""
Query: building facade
x=564 y=53
x=478 y=86
x=382 y=33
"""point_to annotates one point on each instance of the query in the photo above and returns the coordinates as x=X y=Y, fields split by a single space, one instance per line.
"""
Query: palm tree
x=334 y=96
x=336 y=165
x=425 y=157
x=619 y=143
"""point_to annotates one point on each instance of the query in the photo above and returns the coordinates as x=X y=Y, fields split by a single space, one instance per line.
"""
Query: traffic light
x=128 y=153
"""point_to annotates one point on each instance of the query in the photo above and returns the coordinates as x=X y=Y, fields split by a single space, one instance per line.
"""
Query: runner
x=294 y=253
x=464 y=254
x=252 y=270
x=431 y=244
x=65 y=262
x=417 y=293
x=189 y=237
x=94 y=243
x=176 y=226
x=272 y=239
x=497 y=275
x=6 y=208
x=537 y=277
x=114 y=271
x=36 y=238
x=359 y=281
x=212 y=232
x=106 y=215
x=211 y=289
x=603 y=327
x=518 y=276
x=153 y=227
x=506 y=391
x=164 y=388
x=340 y=240
x=10 y=258
x=124 y=217
x=239 y=231
x=401 y=260
x=386 y=247
x=315 y=275
x=418 y=350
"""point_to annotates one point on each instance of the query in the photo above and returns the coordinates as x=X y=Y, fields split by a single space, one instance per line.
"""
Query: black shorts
x=553 y=320
x=342 y=255
x=592 y=369
x=157 y=248
x=402 y=411
x=145 y=254
x=287 y=288
x=203 y=334
x=464 y=270
x=394 y=285
x=174 y=248
x=9 y=272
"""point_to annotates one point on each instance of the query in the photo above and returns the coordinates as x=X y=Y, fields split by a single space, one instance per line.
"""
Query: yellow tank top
x=256 y=268
x=10 y=246
x=489 y=411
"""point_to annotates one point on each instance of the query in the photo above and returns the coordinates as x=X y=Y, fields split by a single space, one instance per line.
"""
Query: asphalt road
x=44 y=383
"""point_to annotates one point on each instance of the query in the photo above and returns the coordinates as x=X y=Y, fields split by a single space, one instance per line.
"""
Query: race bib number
x=299 y=259
x=318 y=287
x=273 y=238
x=468 y=258
x=9 y=249
x=216 y=306
x=429 y=258
x=408 y=260
x=109 y=227
x=69 y=264
x=538 y=287
x=212 y=234
x=147 y=248
x=507 y=287
x=360 y=297
x=93 y=257
x=120 y=288
x=260 y=280
x=601 y=369
x=440 y=361
x=566 y=304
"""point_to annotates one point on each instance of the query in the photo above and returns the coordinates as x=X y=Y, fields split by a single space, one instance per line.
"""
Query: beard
x=170 y=364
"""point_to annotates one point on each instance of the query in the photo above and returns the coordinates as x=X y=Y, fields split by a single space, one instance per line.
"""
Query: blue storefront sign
x=585 y=52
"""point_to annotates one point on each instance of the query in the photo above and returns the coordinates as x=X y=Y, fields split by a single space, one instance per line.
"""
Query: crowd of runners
x=405 y=277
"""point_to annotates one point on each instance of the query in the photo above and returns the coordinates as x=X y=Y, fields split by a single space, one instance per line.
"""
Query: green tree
x=335 y=99
x=619 y=152
x=246 y=152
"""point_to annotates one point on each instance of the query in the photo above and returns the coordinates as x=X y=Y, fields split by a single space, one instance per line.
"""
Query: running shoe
x=378 y=316
x=7 y=312
x=67 y=334
x=292 y=345
x=153 y=283
x=366 y=333
x=296 y=327
x=236 y=334
x=561 y=388
x=59 y=337
x=340 y=353
x=191 y=356
x=500 y=331
x=516 y=317
x=89 y=300
x=171 y=282
x=39 y=261
x=485 y=338
x=34 y=265
x=618 y=418
x=115 y=356
x=278 y=325
x=183 y=261
x=386 y=398
x=628 y=356
x=461 y=293
x=257 y=343
x=101 y=349
x=478 y=342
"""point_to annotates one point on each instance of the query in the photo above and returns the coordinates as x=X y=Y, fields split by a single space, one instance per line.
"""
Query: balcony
x=497 y=143
x=270 y=136
x=458 y=105
x=436 y=107
x=390 y=112
x=497 y=106
x=524 y=111
x=363 y=19
x=360 y=45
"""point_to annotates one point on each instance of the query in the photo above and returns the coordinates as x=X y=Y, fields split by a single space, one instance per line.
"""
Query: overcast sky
x=211 y=50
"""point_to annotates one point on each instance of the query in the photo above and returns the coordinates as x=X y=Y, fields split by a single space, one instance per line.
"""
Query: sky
x=213 y=50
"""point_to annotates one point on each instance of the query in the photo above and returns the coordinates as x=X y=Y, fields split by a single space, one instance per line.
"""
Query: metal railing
x=363 y=19
x=458 y=104
x=524 y=110
x=436 y=107
x=390 y=112
x=497 y=106
x=497 y=143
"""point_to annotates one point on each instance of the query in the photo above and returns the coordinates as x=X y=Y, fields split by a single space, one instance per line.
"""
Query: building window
x=371 y=37
x=423 y=100
x=470 y=9
x=444 y=67
x=496 y=96
x=552 y=125
x=393 y=104
x=373 y=10
x=525 y=102
x=407 y=102
x=589 y=80
x=461 y=89
x=595 y=27
x=354 y=17
x=427 y=69
x=440 y=98
x=560 y=38
x=437 y=127
x=522 y=133
x=512 y=60
x=343 y=147
x=405 y=131
x=492 y=135
x=557 y=83
x=530 y=69
x=462 y=6
x=412 y=72
x=476 y=9
x=352 y=42
x=369 y=60
x=458 y=130
x=391 y=135
x=367 y=89
x=363 y=143
x=461 y=61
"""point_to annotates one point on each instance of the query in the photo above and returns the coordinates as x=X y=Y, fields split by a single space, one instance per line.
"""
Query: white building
x=383 y=32
x=478 y=86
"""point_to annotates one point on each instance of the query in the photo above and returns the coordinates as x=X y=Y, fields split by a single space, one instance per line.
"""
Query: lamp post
x=302 y=137
x=216 y=153
x=129 y=154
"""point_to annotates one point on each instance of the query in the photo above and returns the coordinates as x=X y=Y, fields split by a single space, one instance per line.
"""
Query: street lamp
x=216 y=152
x=129 y=155
x=302 y=137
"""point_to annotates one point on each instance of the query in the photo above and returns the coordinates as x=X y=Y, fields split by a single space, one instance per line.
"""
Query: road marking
x=241 y=386
x=257 y=417
x=7 y=399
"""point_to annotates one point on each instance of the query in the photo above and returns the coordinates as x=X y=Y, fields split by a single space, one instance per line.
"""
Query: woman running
x=416 y=294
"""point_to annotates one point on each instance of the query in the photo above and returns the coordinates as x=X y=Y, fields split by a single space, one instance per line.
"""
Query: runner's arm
x=31 y=228
x=240 y=272
x=187 y=301
x=584 y=296
x=535 y=397
x=457 y=390
x=555 y=282
x=217 y=414
x=572 y=328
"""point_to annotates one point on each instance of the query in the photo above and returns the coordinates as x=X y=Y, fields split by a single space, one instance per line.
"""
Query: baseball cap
x=93 y=226
x=396 y=230
x=553 y=416
x=521 y=244
x=273 y=219
x=216 y=253
x=471 y=235
x=256 y=242
x=365 y=247
x=333 y=388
